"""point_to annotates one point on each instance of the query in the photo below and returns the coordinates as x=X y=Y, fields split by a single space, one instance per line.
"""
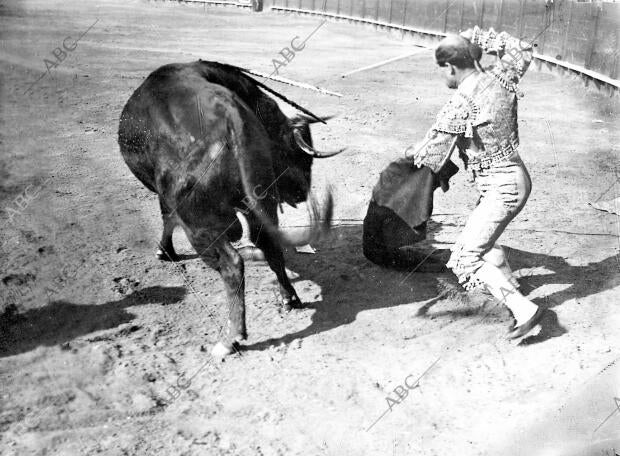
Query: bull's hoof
x=221 y=350
x=292 y=303
x=163 y=255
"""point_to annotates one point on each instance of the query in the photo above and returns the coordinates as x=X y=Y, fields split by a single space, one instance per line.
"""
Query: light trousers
x=504 y=189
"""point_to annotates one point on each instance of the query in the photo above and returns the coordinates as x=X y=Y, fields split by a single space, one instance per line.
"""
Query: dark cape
x=401 y=205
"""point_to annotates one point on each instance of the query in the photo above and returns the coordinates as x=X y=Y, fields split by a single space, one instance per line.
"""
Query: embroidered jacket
x=481 y=117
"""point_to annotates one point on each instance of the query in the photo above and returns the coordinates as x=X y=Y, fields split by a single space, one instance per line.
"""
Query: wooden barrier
x=573 y=37
x=577 y=38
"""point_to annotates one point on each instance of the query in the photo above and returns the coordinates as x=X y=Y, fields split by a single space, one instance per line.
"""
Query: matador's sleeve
x=456 y=119
x=514 y=54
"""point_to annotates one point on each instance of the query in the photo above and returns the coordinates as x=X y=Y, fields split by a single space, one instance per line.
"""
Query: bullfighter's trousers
x=504 y=188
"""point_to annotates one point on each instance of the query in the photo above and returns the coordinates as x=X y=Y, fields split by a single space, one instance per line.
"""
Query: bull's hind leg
x=221 y=256
x=275 y=259
x=232 y=269
x=166 y=252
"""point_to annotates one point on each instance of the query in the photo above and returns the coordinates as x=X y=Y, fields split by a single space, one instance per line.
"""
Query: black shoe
x=520 y=331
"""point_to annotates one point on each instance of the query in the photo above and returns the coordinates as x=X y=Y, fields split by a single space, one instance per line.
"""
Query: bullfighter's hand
x=409 y=153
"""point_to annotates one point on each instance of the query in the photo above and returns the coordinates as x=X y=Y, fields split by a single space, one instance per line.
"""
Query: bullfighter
x=481 y=120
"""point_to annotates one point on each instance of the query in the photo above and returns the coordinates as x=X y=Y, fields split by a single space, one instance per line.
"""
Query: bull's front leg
x=275 y=259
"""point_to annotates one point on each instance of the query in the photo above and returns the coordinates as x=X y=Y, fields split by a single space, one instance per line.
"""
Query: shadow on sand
x=349 y=285
x=62 y=321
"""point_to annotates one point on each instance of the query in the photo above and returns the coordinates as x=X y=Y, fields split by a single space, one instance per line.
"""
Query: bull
x=210 y=142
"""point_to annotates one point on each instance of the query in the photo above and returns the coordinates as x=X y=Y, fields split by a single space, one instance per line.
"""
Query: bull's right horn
x=311 y=150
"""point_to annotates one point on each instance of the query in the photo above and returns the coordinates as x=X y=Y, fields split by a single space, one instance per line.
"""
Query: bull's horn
x=311 y=150
x=323 y=119
x=302 y=119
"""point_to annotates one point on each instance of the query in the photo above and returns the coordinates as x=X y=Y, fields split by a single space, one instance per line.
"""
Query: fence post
x=445 y=16
x=324 y=6
x=565 y=40
x=588 y=63
x=481 y=17
x=351 y=9
x=500 y=16
x=405 y=16
x=363 y=8
x=338 y=8
x=462 y=14
x=390 y=12
x=614 y=68
x=548 y=23
x=377 y=10
x=521 y=18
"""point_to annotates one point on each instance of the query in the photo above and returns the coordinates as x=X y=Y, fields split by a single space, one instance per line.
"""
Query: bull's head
x=295 y=183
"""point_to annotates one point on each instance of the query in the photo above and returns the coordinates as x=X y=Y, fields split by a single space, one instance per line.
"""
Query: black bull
x=209 y=142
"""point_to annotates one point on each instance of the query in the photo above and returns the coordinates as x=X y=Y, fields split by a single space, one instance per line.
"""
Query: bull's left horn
x=323 y=119
x=303 y=119
x=311 y=150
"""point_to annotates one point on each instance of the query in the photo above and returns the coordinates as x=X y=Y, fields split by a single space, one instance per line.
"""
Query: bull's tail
x=320 y=216
x=261 y=199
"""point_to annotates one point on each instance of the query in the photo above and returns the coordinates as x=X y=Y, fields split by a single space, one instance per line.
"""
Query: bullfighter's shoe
x=519 y=331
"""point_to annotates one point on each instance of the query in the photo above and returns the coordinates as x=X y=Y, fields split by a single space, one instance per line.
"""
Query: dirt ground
x=107 y=351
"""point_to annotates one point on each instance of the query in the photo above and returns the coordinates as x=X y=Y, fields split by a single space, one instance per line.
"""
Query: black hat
x=458 y=51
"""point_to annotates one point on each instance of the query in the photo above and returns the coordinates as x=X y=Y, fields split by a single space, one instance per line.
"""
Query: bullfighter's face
x=448 y=73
